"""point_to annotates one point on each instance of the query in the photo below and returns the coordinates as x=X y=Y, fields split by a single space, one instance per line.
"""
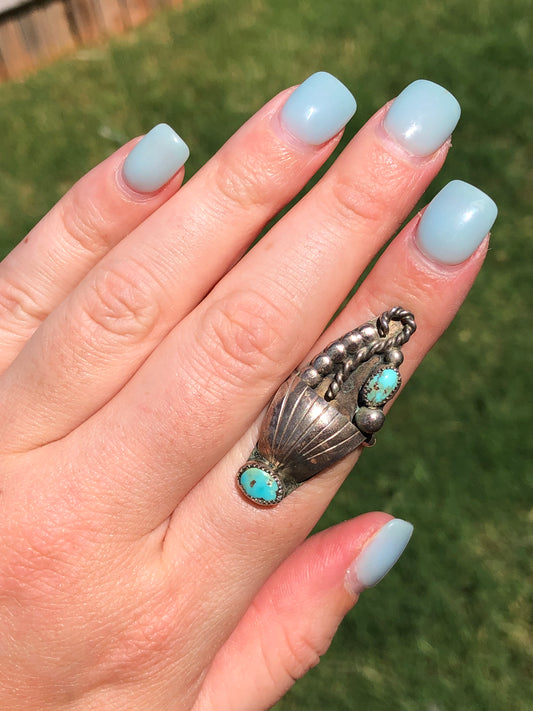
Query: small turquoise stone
x=381 y=386
x=258 y=484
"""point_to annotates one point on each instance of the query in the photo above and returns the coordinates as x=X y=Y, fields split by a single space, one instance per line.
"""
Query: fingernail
x=422 y=117
x=318 y=109
x=379 y=555
x=155 y=159
x=455 y=223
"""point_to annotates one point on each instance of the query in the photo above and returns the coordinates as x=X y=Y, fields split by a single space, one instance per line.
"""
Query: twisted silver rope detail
x=346 y=368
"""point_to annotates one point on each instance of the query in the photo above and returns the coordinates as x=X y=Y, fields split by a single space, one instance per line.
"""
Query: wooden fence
x=34 y=32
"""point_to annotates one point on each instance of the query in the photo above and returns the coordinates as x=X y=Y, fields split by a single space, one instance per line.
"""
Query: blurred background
x=450 y=627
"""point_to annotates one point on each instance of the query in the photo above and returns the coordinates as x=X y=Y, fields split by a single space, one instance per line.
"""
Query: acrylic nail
x=379 y=555
x=155 y=159
x=455 y=223
x=318 y=109
x=422 y=117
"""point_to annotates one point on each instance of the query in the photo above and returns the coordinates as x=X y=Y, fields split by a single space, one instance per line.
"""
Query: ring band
x=323 y=412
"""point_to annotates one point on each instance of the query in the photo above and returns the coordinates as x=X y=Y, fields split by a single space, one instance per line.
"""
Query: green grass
x=450 y=628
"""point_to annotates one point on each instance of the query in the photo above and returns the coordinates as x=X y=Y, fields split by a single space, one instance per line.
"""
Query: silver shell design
x=305 y=433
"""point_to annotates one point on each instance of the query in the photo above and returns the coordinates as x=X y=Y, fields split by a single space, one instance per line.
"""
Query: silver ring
x=322 y=413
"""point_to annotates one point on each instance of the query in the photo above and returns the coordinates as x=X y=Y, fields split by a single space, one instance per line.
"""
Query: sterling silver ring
x=323 y=412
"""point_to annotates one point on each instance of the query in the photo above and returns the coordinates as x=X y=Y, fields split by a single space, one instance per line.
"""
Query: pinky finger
x=292 y=620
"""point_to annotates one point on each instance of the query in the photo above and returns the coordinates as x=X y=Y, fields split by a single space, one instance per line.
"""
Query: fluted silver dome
x=306 y=433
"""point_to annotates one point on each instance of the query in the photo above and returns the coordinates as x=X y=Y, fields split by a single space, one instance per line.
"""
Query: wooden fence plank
x=110 y=16
x=56 y=29
x=64 y=31
x=85 y=19
x=17 y=61
x=32 y=36
x=46 y=32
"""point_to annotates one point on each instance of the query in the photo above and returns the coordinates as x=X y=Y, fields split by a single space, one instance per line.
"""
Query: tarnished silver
x=325 y=411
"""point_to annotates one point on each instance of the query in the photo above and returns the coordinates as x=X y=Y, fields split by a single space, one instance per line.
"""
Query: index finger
x=93 y=216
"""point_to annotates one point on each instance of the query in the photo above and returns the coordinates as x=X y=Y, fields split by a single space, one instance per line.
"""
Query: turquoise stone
x=381 y=386
x=258 y=484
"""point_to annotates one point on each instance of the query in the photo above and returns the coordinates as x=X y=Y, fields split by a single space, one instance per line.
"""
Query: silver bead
x=311 y=377
x=369 y=331
x=369 y=420
x=394 y=356
x=336 y=351
x=353 y=341
x=323 y=364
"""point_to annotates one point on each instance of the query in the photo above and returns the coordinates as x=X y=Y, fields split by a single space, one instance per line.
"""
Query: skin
x=139 y=348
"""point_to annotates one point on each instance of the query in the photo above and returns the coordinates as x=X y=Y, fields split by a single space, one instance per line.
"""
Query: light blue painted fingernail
x=318 y=109
x=422 y=117
x=455 y=223
x=155 y=159
x=379 y=555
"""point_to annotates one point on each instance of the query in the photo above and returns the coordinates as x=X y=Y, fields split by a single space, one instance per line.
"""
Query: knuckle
x=296 y=655
x=302 y=655
x=123 y=302
x=299 y=647
x=84 y=222
x=363 y=201
x=237 y=180
x=18 y=305
x=244 y=333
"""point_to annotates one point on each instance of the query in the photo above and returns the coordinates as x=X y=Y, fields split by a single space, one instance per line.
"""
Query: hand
x=139 y=348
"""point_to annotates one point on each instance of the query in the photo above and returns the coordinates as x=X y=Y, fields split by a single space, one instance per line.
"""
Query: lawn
x=450 y=627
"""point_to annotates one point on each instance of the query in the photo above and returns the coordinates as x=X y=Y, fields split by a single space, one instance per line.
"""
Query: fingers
x=294 y=616
x=96 y=339
x=258 y=322
x=246 y=539
x=93 y=343
x=101 y=208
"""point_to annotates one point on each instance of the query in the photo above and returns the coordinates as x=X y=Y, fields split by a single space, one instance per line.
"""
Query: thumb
x=293 y=618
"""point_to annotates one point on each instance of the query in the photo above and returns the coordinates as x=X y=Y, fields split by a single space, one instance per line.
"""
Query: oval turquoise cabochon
x=259 y=485
x=381 y=386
